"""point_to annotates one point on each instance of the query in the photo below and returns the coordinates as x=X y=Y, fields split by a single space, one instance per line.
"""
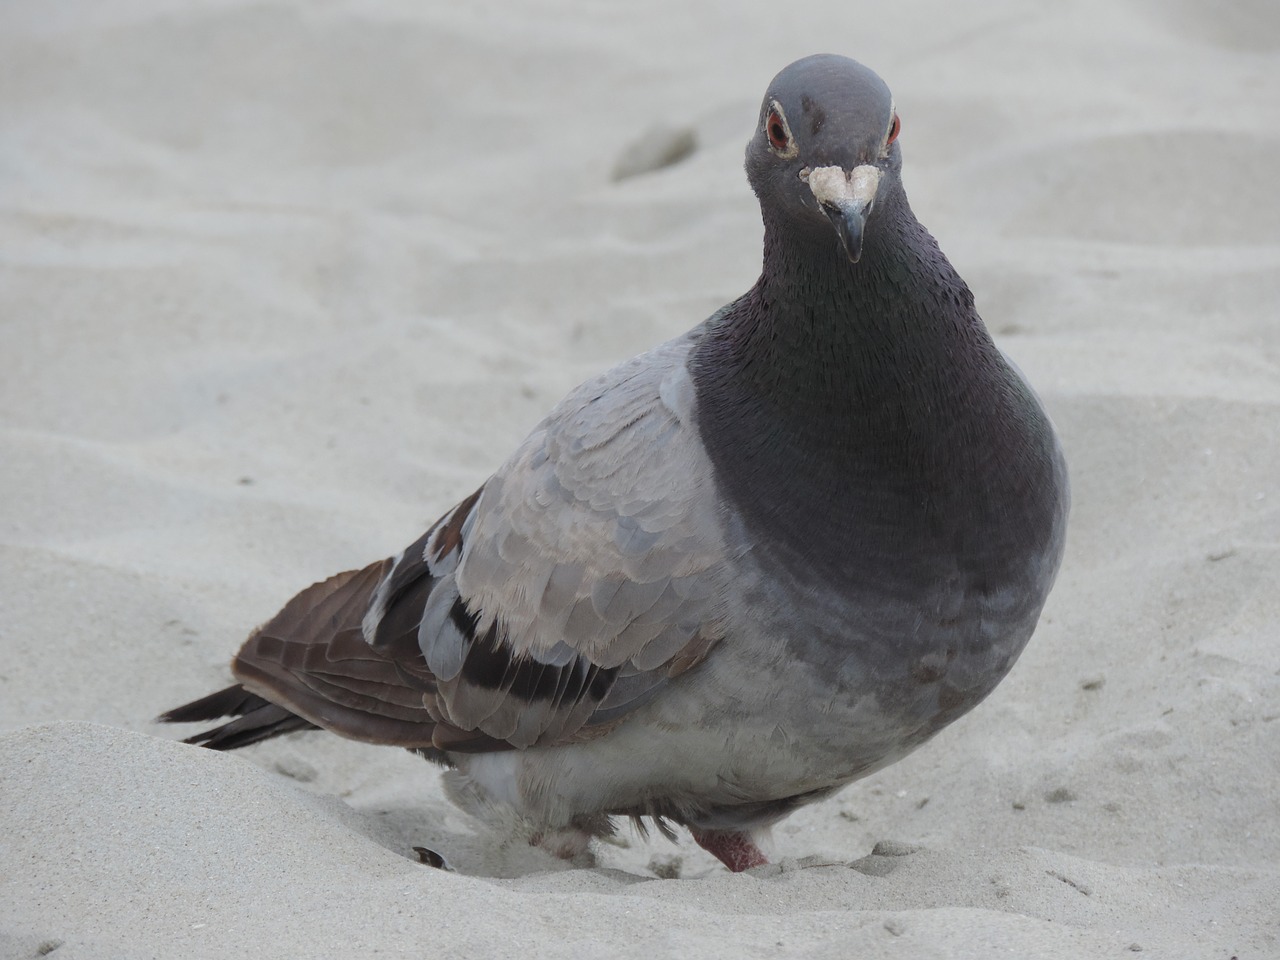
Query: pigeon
x=731 y=575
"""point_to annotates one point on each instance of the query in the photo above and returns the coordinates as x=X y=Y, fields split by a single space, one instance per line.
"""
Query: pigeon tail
x=258 y=719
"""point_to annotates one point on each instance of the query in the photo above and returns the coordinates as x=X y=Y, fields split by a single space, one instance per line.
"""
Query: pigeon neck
x=820 y=342
x=837 y=397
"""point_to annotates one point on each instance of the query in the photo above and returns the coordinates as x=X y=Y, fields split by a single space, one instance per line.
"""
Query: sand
x=282 y=282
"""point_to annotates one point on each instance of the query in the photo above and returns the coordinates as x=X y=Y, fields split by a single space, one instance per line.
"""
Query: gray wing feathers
x=448 y=645
x=594 y=557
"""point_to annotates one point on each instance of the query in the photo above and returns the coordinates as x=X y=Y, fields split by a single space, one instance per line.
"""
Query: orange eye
x=893 y=130
x=777 y=132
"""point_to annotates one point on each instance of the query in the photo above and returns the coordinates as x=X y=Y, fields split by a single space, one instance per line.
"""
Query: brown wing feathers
x=309 y=667
x=311 y=658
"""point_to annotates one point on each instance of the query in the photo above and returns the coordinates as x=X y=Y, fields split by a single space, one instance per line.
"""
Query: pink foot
x=734 y=848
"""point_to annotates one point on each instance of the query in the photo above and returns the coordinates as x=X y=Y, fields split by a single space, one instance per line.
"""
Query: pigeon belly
x=833 y=697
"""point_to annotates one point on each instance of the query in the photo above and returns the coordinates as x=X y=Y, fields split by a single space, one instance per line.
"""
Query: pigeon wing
x=583 y=576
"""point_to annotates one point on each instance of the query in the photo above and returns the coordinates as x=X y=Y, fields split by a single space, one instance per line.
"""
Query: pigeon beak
x=849 y=218
x=846 y=199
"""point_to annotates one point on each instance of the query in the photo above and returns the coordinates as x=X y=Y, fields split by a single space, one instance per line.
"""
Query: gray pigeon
x=731 y=575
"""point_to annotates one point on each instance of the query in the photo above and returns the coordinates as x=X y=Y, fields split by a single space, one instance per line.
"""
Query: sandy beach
x=281 y=282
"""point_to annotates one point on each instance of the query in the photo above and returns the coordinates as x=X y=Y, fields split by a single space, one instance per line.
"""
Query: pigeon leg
x=734 y=848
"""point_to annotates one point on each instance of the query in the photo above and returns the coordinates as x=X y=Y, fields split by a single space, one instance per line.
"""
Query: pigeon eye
x=894 y=129
x=777 y=132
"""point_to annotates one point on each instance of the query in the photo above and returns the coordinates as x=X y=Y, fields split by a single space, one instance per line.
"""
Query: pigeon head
x=823 y=153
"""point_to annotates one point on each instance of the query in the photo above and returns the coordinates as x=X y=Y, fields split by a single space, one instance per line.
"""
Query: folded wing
x=562 y=595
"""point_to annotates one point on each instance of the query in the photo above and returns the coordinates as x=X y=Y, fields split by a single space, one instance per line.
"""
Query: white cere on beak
x=833 y=187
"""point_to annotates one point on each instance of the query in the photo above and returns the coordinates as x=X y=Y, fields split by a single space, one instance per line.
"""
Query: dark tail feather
x=259 y=719
x=234 y=701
